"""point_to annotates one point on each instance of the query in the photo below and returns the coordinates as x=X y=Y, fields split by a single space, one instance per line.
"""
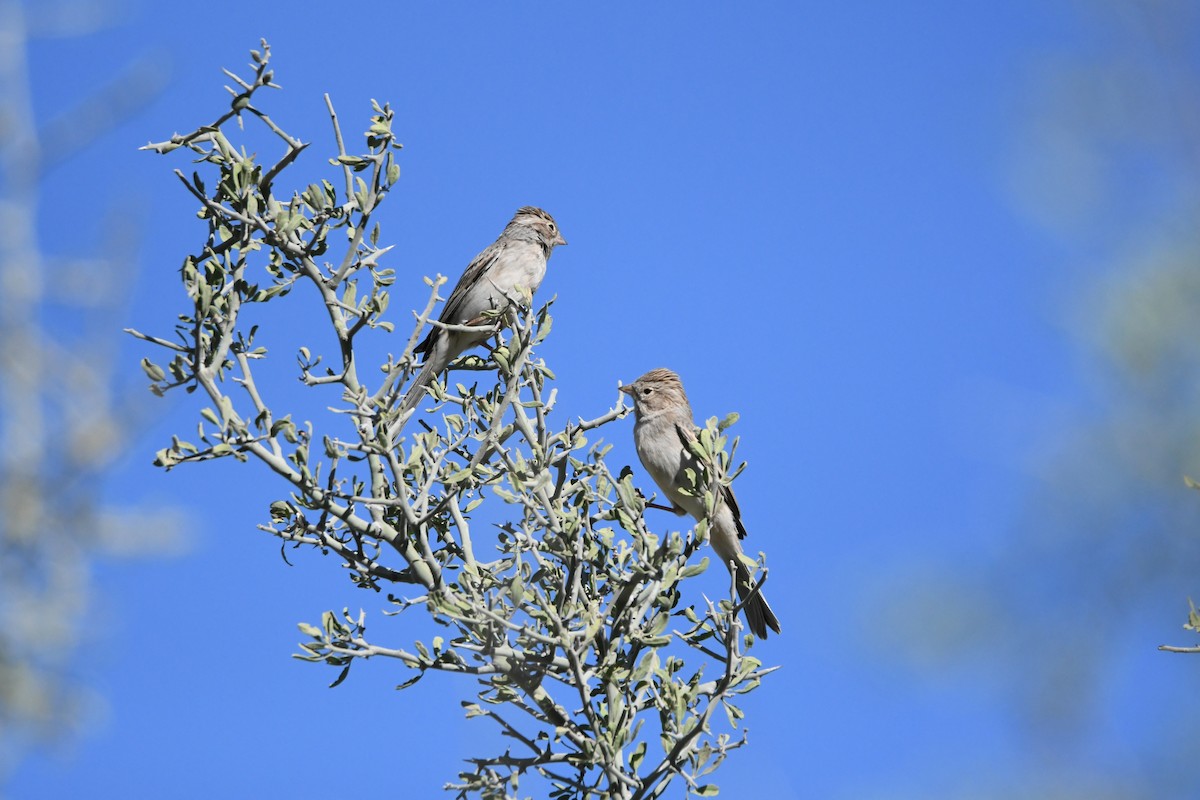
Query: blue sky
x=804 y=209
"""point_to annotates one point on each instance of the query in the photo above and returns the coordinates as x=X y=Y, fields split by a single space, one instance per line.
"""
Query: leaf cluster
x=508 y=530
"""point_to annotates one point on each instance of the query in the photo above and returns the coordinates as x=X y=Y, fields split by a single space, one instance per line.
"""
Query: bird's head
x=540 y=224
x=657 y=390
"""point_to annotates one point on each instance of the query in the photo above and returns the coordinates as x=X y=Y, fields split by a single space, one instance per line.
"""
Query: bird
x=516 y=259
x=664 y=422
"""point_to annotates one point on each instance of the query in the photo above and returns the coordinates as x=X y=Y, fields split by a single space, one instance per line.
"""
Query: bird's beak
x=627 y=390
x=559 y=240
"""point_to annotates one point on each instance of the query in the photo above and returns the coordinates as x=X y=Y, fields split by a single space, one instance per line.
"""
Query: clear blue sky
x=802 y=208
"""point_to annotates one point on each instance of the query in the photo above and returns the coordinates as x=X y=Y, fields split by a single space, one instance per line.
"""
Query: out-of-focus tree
x=1108 y=543
x=61 y=418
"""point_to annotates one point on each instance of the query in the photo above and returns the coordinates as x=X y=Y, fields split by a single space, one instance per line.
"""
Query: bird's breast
x=526 y=267
x=660 y=453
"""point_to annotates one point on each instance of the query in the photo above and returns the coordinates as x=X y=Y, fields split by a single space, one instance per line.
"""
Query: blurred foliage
x=1107 y=544
x=63 y=418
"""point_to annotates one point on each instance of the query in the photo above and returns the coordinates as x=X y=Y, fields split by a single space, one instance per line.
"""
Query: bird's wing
x=731 y=501
x=686 y=434
x=452 y=311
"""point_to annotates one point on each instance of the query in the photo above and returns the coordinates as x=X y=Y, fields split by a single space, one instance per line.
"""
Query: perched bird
x=664 y=423
x=491 y=280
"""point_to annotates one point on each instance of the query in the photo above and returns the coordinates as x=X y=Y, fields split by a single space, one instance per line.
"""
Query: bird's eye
x=647 y=392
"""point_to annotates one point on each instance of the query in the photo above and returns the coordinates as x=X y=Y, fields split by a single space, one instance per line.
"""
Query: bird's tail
x=759 y=615
x=417 y=390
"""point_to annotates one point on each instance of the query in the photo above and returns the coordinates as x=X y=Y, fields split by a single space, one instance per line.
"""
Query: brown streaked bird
x=664 y=422
x=517 y=259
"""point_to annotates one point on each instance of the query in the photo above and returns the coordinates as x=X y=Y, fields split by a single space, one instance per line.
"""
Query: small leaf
x=225 y=403
x=410 y=681
x=342 y=676
x=635 y=758
x=153 y=371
